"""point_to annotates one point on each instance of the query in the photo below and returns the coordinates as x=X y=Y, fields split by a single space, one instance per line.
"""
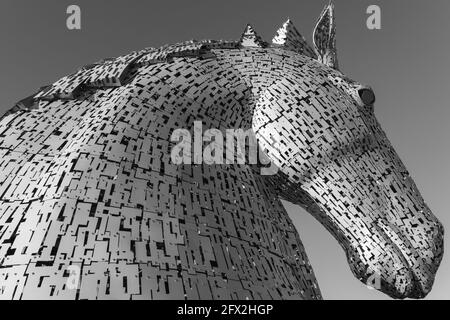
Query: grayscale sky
x=406 y=62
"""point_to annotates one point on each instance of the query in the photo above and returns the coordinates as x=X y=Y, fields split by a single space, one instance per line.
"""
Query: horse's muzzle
x=404 y=270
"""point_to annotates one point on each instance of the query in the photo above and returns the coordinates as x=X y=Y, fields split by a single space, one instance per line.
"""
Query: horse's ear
x=289 y=38
x=324 y=37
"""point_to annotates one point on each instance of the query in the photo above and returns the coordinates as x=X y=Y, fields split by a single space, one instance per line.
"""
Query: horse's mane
x=115 y=72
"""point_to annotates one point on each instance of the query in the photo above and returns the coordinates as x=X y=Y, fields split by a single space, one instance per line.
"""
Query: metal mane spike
x=251 y=39
x=289 y=38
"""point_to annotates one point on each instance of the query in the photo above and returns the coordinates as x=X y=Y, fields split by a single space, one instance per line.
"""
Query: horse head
x=319 y=128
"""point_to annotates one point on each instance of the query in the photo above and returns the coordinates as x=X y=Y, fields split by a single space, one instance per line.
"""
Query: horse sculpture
x=94 y=207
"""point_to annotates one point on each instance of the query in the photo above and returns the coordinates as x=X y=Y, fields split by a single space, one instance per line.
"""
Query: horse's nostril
x=367 y=96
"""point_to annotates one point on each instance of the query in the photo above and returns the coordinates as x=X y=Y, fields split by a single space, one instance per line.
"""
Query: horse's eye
x=367 y=96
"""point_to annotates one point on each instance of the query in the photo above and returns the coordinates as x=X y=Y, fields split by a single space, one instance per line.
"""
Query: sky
x=406 y=62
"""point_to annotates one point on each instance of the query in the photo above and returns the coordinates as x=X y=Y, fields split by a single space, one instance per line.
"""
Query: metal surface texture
x=87 y=182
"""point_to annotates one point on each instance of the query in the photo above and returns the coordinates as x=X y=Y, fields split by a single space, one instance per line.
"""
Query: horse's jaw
x=392 y=240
